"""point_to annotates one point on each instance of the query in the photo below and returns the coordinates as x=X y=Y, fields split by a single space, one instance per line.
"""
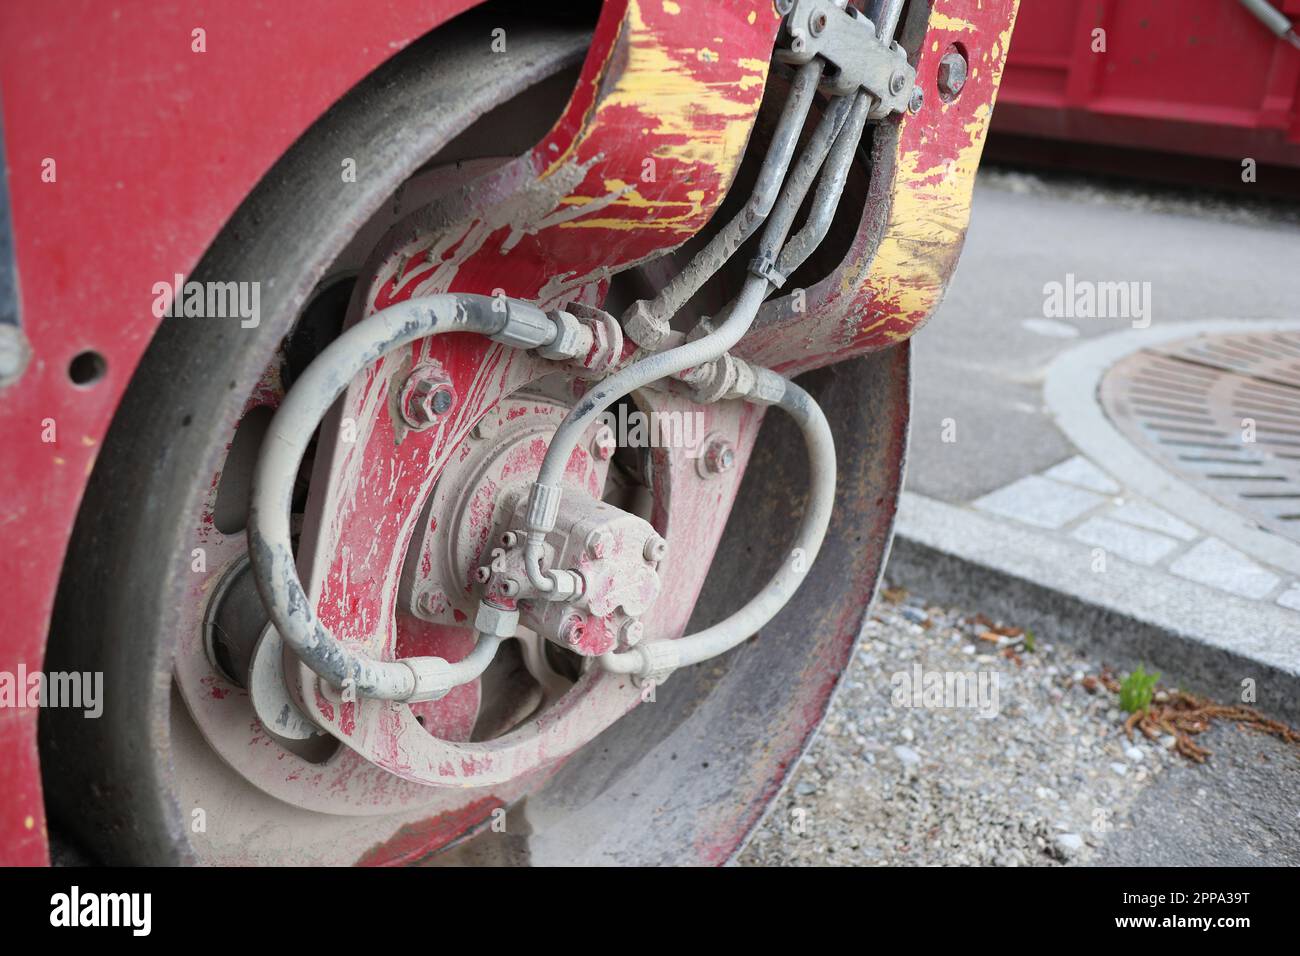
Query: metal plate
x=1223 y=412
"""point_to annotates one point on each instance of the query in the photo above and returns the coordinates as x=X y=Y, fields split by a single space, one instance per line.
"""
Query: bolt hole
x=87 y=368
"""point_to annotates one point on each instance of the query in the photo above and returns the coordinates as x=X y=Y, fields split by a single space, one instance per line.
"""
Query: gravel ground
x=1041 y=782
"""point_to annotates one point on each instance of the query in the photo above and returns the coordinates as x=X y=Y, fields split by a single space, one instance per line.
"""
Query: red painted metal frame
x=1201 y=77
x=155 y=154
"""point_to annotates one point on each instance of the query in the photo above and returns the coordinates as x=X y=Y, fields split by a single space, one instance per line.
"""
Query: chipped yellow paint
x=941 y=21
x=656 y=83
x=88 y=441
x=672 y=8
x=753 y=15
x=30 y=823
x=627 y=196
x=925 y=214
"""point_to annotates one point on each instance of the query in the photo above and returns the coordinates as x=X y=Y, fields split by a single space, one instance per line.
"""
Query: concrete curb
x=1197 y=637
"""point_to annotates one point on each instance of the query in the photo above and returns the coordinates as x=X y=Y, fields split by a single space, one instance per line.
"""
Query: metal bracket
x=764 y=267
x=855 y=57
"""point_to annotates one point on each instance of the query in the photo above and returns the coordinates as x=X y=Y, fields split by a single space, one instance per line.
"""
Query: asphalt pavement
x=982 y=359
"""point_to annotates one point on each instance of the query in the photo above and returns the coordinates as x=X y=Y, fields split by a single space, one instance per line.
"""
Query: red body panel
x=1211 y=77
x=135 y=121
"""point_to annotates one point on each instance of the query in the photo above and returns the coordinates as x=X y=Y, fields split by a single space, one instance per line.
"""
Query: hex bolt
x=897 y=82
x=917 y=101
x=817 y=23
x=633 y=631
x=572 y=629
x=427 y=394
x=428 y=602
x=655 y=550
x=783 y=6
x=603 y=445
x=952 y=74
x=599 y=543
x=719 y=457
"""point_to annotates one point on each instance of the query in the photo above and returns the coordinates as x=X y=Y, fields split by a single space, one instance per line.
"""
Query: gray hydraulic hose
x=270 y=549
x=660 y=657
x=801 y=177
x=884 y=14
x=730 y=329
x=670 y=299
x=845 y=123
x=829 y=189
x=544 y=500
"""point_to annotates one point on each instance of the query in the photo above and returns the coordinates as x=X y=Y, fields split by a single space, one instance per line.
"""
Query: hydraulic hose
x=544 y=500
x=719 y=249
x=660 y=657
x=829 y=189
x=270 y=549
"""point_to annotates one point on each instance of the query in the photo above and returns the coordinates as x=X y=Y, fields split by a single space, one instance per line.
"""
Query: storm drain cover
x=1222 y=412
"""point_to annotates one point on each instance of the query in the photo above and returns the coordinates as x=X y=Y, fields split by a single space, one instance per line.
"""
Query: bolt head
x=952 y=74
x=483 y=575
x=917 y=101
x=431 y=602
x=599 y=543
x=604 y=444
x=633 y=631
x=719 y=457
x=817 y=22
x=427 y=394
x=441 y=401
x=656 y=549
x=897 y=82
x=572 y=629
x=509 y=539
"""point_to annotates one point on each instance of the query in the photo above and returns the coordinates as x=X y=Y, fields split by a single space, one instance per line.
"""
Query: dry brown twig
x=1184 y=716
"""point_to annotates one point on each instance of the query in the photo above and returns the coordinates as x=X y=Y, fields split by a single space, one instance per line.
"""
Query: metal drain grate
x=1193 y=405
